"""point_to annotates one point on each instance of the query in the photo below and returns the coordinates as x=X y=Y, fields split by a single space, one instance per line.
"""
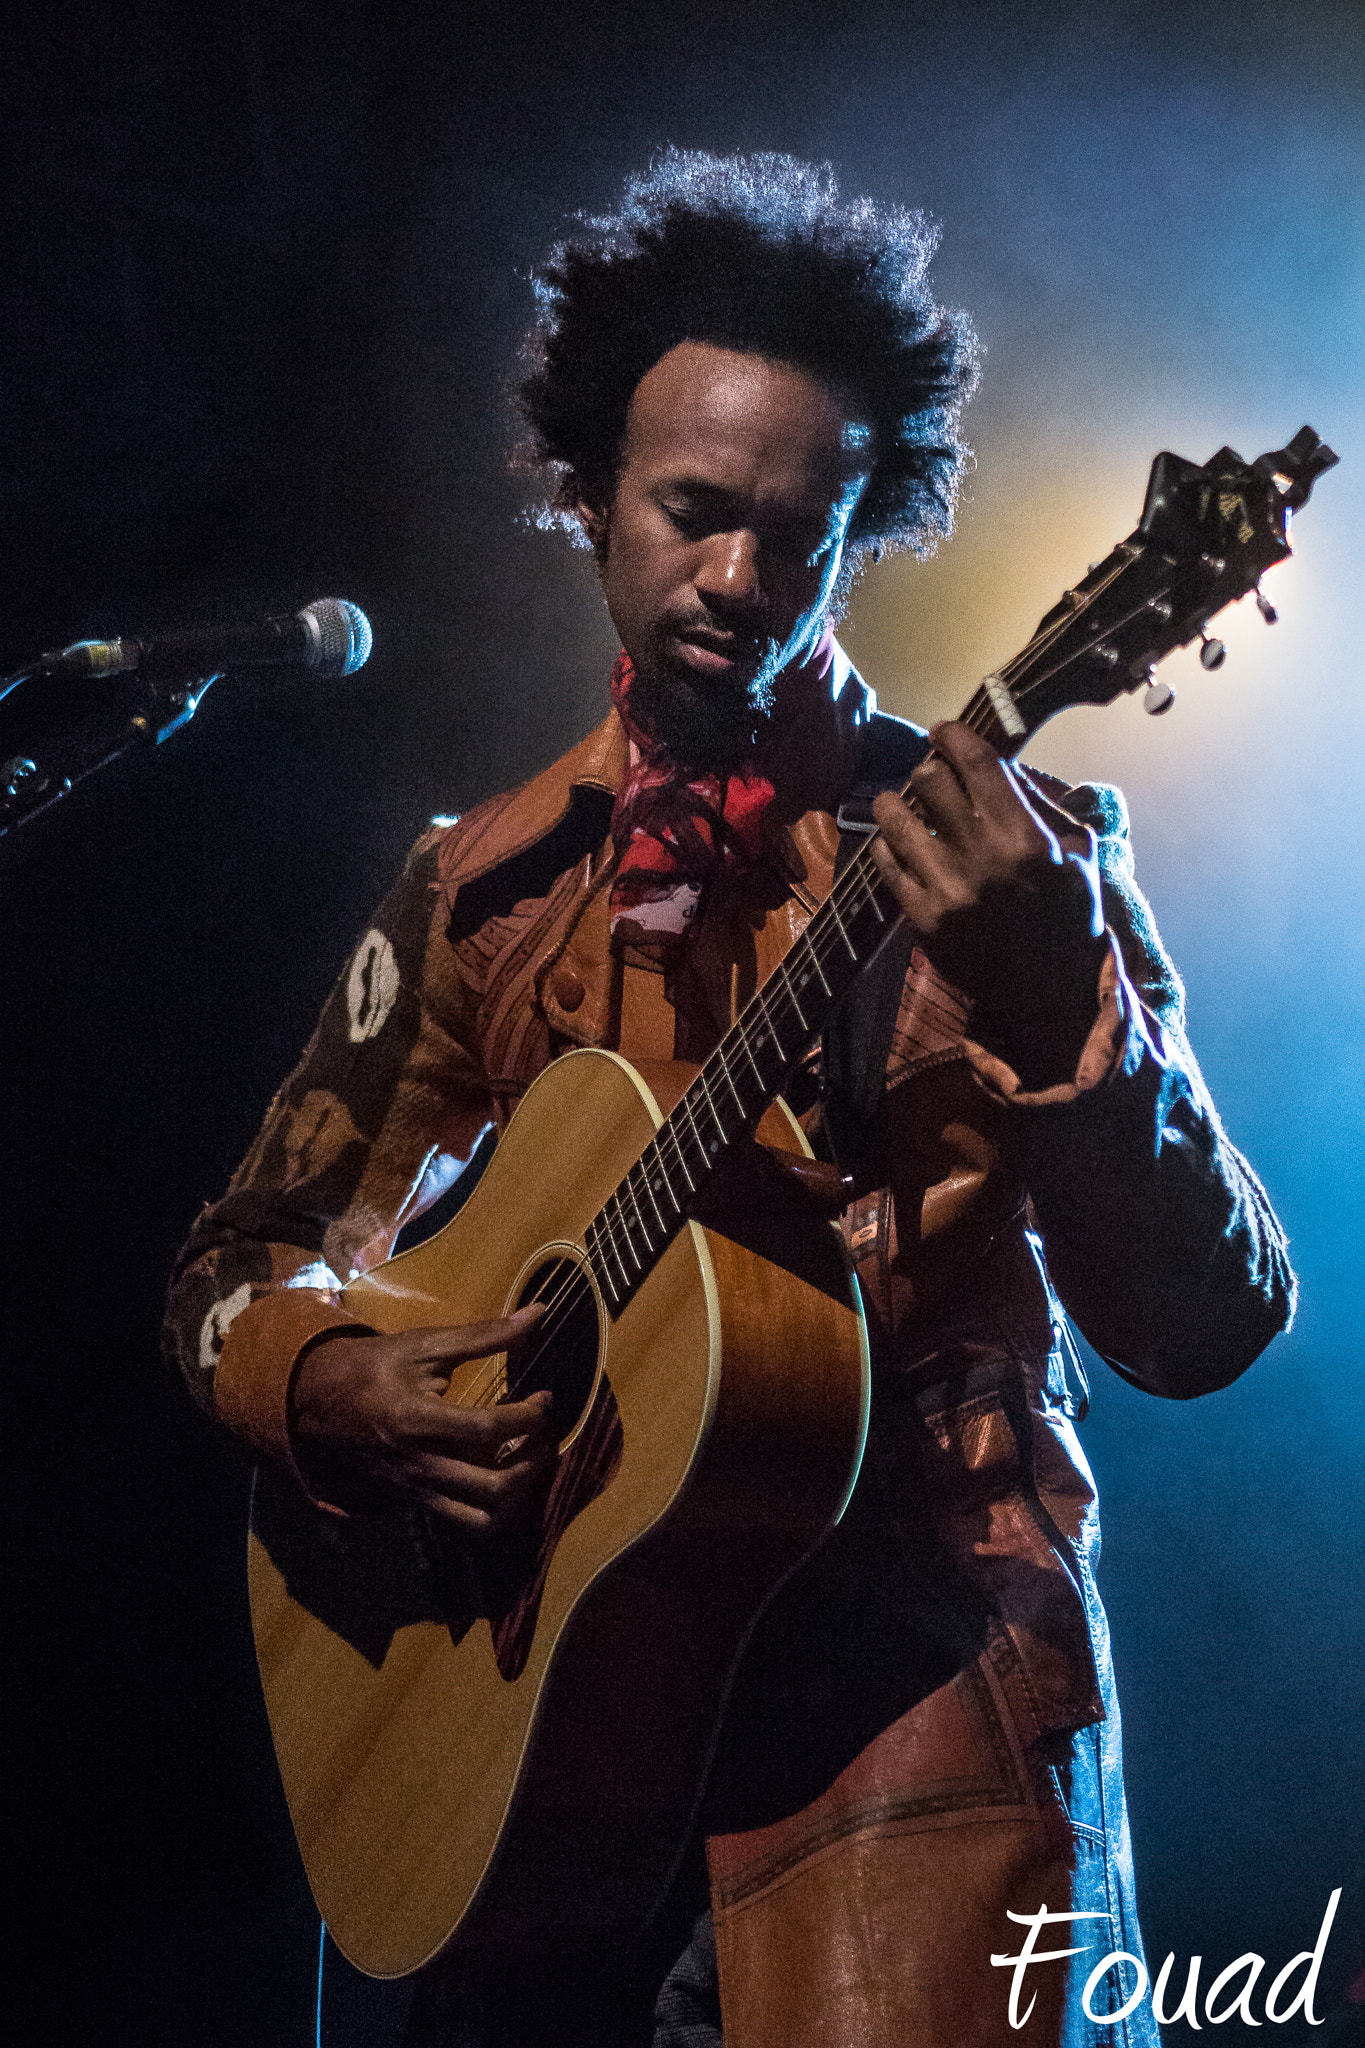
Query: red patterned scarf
x=673 y=835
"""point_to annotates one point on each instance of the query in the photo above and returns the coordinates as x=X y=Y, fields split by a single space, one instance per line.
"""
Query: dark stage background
x=261 y=265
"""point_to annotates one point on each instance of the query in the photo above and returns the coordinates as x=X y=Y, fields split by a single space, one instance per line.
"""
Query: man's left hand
x=1002 y=891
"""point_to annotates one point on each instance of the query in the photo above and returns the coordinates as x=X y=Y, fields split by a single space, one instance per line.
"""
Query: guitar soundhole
x=563 y=1352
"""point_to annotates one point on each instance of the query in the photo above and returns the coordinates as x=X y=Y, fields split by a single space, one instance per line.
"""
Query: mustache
x=725 y=636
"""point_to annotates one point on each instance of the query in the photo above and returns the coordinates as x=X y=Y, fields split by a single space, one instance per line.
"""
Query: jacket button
x=566 y=988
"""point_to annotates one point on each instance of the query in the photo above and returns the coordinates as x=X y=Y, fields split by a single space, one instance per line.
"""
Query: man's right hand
x=372 y=1432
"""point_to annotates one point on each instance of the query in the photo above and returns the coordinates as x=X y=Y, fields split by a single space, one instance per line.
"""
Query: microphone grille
x=340 y=634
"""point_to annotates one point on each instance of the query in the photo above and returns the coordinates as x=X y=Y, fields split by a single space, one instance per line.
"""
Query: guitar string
x=1113 y=626
x=1047 y=637
x=859 y=887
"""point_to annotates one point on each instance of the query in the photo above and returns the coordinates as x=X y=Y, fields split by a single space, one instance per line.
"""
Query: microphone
x=330 y=636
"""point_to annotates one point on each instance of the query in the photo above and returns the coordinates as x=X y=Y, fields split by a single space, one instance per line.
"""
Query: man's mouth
x=717 y=654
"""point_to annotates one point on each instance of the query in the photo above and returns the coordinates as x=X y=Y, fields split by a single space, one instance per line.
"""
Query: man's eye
x=690 y=524
x=797 y=543
x=802 y=544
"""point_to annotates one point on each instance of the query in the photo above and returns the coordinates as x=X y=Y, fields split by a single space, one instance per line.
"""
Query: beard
x=706 y=724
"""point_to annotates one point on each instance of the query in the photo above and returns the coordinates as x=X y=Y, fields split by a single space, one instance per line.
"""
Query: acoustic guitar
x=505 y=1749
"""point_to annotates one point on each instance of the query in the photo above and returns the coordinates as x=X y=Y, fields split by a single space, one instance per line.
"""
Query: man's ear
x=595 y=519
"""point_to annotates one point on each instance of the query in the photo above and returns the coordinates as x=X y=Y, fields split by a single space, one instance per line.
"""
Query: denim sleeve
x=1161 y=1239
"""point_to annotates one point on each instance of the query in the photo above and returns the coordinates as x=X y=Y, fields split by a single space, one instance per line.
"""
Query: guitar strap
x=858 y=1041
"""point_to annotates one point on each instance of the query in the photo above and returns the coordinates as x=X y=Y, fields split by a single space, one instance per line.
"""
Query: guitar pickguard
x=585 y=1470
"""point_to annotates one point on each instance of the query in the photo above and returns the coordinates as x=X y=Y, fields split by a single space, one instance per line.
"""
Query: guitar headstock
x=1207 y=535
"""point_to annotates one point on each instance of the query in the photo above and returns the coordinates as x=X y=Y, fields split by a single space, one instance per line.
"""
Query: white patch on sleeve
x=218 y=1322
x=319 y=1275
x=371 y=987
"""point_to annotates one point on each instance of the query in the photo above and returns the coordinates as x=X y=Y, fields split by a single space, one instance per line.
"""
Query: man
x=745 y=388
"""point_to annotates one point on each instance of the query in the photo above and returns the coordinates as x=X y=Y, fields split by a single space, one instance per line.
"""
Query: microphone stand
x=106 y=696
x=102 y=718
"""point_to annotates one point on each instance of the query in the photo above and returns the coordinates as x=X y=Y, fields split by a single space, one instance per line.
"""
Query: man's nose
x=728 y=574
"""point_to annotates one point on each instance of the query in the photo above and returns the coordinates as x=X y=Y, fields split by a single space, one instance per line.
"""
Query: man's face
x=723 y=538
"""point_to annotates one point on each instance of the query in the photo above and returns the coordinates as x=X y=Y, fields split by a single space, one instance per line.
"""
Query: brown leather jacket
x=901 y=1762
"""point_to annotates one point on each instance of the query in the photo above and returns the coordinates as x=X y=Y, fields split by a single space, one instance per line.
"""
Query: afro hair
x=756 y=253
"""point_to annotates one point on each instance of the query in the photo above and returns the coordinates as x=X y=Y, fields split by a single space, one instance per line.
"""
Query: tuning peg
x=15 y=774
x=1266 y=608
x=1157 y=697
x=1212 y=653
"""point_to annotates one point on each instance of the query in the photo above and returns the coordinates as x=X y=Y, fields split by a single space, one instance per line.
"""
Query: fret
x=691 y=1117
x=595 y=1237
x=846 y=903
x=713 y=1077
x=617 y=1215
x=713 y=1147
x=682 y=1156
x=871 y=886
x=620 y=1290
x=768 y=1051
x=627 y=1188
x=768 y=1019
x=749 y=1054
x=600 y=1270
x=719 y=1054
x=791 y=994
x=819 y=971
x=644 y=1175
x=639 y=1217
x=635 y=1181
x=839 y=926
x=656 y=1173
x=610 y=1235
x=686 y=1104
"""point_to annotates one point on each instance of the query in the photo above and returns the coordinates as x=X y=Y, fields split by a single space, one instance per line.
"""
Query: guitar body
x=490 y=1763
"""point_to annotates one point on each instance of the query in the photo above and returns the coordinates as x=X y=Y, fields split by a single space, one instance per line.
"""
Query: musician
x=742 y=389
